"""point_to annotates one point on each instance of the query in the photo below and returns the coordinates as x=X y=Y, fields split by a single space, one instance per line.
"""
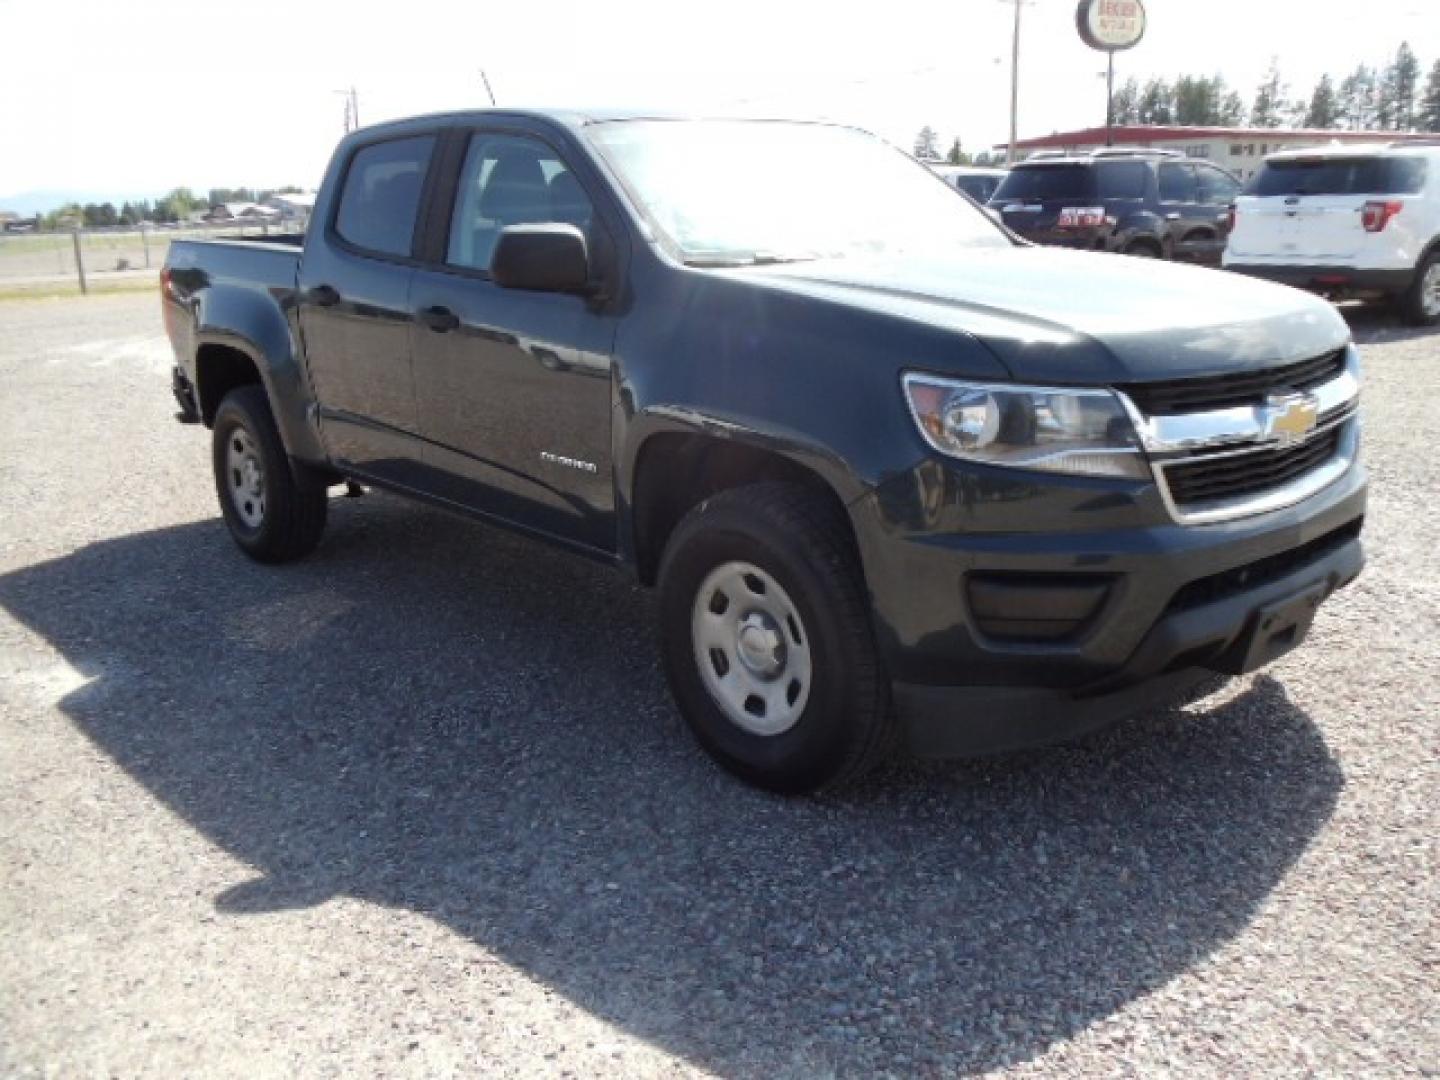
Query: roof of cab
x=574 y=118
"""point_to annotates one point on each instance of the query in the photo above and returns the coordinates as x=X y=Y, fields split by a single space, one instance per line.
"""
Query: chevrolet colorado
x=897 y=475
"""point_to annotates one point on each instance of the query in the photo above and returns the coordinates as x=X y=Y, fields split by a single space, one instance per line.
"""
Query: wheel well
x=1199 y=234
x=676 y=472
x=218 y=370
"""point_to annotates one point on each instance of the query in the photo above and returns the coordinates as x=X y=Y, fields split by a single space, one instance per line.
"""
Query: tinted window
x=381 y=197
x=510 y=180
x=1122 y=179
x=979 y=188
x=1177 y=184
x=1216 y=188
x=1038 y=182
x=1340 y=176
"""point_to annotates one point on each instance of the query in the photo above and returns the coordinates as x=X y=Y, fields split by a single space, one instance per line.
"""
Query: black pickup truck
x=895 y=472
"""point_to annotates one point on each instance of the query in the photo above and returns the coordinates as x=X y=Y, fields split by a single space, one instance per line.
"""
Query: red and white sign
x=1111 y=25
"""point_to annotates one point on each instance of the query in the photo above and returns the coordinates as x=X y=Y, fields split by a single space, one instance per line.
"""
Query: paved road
x=420 y=805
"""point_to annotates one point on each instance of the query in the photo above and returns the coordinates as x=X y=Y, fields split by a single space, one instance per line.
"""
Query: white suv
x=1361 y=221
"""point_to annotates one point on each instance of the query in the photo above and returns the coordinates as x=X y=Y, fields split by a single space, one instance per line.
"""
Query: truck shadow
x=440 y=717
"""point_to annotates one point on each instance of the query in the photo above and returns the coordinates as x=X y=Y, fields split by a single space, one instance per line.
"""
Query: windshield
x=1340 y=176
x=731 y=192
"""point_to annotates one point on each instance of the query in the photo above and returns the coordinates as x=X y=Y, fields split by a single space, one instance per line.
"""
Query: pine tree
x=956 y=155
x=1395 y=110
x=1232 y=110
x=1156 y=103
x=1356 y=99
x=1125 y=107
x=1268 y=110
x=927 y=144
x=1324 y=108
x=1428 y=115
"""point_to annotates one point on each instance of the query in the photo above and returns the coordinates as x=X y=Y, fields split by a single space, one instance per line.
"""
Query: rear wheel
x=1420 y=304
x=1144 y=249
x=274 y=507
x=766 y=639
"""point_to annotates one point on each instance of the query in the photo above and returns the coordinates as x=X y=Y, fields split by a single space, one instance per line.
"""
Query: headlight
x=1079 y=432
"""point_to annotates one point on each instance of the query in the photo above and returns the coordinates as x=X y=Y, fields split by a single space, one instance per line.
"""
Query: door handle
x=439 y=319
x=1173 y=215
x=323 y=296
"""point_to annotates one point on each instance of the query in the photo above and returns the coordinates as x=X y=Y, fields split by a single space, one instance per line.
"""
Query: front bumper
x=1179 y=604
x=1333 y=280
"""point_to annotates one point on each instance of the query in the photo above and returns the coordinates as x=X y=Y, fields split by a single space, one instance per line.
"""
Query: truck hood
x=1071 y=317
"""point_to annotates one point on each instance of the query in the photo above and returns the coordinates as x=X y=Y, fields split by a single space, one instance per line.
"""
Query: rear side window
x=1122 y=179
x=1177 y=184
x=1039 y=182
x=381 y=197
x=1340 y=176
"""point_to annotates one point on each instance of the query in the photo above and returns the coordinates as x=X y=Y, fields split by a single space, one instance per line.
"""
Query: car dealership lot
x=480 y=839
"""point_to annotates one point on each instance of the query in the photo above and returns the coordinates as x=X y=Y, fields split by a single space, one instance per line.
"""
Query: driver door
x=513 y=388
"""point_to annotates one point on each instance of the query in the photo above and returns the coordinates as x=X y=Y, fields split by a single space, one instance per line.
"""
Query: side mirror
x=544 y=257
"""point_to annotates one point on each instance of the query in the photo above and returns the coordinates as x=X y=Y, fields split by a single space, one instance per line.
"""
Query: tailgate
x=1306 y=228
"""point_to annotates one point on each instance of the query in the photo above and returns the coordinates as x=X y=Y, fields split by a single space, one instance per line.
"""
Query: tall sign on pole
x=1110 y=26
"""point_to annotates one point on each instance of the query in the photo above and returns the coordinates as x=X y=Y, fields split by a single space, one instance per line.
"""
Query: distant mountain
x=29 y=203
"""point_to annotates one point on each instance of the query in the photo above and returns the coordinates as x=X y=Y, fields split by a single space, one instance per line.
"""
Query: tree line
x=177 y=205
x=1380 y=97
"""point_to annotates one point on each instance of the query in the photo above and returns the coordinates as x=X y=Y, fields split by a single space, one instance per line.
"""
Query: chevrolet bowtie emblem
x=1290 y=418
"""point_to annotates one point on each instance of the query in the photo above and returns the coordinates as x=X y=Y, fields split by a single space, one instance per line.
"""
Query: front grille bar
x=1229 y=462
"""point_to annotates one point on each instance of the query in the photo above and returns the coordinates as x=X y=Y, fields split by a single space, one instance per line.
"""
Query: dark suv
x=1157 y=204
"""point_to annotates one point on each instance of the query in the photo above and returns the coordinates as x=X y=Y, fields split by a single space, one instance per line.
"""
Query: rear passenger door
x=354 y=308
x=1194 y=227
x=513 y=388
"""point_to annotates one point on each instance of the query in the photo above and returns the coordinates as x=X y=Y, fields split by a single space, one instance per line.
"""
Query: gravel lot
x=421 y=805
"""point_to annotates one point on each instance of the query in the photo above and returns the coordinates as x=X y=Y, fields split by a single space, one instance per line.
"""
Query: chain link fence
x=108 y=258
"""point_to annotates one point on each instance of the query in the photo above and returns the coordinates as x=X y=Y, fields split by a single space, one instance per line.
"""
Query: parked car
x=1355 y=221
x=1153 y=203
x=976 y=181
x=897 y=476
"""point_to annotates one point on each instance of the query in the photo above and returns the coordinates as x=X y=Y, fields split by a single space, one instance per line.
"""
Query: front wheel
x=766 y=639
x=1420 y=303
x=275 y=508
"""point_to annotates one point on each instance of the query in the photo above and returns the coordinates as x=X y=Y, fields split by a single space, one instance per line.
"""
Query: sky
x=130 y=98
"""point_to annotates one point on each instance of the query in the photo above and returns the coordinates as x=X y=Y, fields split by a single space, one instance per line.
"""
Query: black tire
x=1412 y=303
x=288 y=519
x=801 y=539
x=1144 y=249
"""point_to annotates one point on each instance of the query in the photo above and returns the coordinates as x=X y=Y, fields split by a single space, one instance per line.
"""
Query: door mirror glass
x=544 y=257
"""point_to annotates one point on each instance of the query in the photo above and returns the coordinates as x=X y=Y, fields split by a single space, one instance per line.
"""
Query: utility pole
x=352 y=109
x=1110 y=99
x=1014 y=81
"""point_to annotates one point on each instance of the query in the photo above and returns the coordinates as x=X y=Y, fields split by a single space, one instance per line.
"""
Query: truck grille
x=1233 y=476
x=1176 y=396
x=1220 y=445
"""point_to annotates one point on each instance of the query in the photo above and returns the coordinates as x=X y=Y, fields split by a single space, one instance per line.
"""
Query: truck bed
x=269 y=263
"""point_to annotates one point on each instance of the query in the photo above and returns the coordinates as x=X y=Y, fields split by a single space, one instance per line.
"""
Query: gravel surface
x=421 y=805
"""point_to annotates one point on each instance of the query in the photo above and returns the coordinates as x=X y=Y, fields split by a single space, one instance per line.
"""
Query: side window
x=1177 y=183
x=1121 y=179
x=1217 y=188
x=381 y=196
x=510 y=180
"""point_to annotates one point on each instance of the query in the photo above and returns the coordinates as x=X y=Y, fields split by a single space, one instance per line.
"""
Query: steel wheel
x=752 y=648
x=245 y=477
x=1430 y=291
